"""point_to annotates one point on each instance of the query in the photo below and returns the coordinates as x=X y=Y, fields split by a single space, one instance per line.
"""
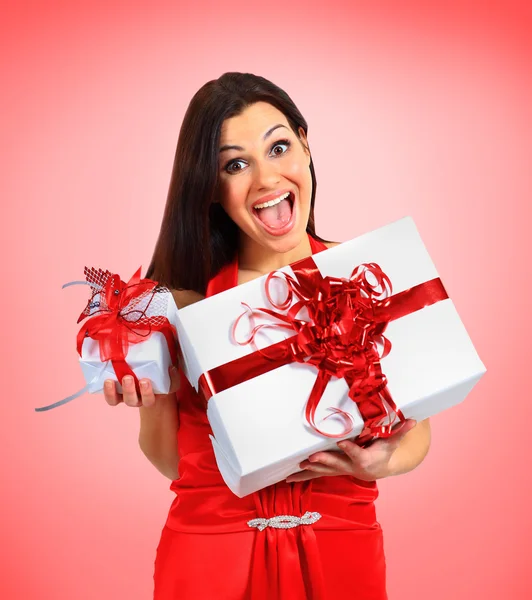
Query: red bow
x=339 y=338
x=123 y=320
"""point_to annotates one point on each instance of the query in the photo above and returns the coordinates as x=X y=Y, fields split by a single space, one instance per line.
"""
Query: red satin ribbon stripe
x=347 y=317
x=121 y=323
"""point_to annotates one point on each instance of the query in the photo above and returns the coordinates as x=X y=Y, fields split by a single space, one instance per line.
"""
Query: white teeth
x=272 y=202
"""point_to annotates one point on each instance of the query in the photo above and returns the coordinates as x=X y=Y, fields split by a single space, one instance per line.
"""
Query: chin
x=285 y=243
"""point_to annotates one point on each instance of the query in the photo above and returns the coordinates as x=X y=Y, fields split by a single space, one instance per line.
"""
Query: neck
x=254 y=257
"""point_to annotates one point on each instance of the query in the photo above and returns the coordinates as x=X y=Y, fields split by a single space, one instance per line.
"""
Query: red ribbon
x=347 y=317
x=121 y=323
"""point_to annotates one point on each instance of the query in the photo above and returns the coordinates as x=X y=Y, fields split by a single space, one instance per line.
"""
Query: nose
x=266 y=174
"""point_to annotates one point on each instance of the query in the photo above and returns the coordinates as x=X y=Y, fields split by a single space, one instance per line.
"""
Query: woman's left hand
x=367 y=464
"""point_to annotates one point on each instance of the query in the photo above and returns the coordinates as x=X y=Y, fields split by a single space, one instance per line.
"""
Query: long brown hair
x=197 y=237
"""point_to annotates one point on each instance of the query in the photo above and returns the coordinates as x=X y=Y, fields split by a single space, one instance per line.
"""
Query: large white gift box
x=260 y=434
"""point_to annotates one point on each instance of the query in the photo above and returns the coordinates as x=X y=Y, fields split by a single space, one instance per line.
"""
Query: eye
x=228 y=167
x=230 y=164
x=281 y=143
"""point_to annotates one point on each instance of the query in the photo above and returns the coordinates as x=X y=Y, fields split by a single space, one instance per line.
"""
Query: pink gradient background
x=421 y=110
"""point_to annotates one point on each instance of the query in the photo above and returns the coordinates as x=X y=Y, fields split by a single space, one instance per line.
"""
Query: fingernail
x=342 y=445
x=143 y=385
x=109 y=385
x=127 y=380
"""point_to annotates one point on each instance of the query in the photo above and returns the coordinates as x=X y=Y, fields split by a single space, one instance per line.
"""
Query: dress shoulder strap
x=226 y=278
x=315 y=245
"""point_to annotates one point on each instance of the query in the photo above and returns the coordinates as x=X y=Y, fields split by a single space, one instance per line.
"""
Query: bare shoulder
x=185 y=297
x=332 y=244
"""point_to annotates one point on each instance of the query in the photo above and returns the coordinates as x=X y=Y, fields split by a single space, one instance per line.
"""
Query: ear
x=304 y=141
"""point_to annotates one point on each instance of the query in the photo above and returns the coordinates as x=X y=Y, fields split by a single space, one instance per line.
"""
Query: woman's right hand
x=130 y=396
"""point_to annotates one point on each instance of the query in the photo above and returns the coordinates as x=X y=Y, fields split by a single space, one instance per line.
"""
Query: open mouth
x=278 y=217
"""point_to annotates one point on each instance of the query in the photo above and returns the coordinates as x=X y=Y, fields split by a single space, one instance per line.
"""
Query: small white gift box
x=149 y=359
x=138 y=319
x=260 y=431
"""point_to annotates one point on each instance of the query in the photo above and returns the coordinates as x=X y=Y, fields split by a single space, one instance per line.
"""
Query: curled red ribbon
x=122 y=320
x=347 y=318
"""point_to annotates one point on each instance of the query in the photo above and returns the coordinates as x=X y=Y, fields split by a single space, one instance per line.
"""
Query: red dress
x=207 y=550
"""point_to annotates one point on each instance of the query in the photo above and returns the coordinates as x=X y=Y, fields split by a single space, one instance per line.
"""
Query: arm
x=158 y=434
x=159 y=421
x=411 y=450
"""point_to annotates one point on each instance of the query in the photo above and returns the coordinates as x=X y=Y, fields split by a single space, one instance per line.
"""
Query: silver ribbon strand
x=90 y=387
x=285 y=521
x=94 y=385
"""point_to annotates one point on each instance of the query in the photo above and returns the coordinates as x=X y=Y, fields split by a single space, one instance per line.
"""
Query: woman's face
x=271 y=161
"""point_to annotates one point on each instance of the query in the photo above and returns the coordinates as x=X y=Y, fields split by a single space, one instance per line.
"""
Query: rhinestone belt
x=285 y=521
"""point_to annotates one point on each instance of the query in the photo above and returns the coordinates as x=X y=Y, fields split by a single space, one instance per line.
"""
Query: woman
x=228 y=219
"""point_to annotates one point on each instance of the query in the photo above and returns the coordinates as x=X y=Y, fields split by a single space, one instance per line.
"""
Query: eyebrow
x=240 y=149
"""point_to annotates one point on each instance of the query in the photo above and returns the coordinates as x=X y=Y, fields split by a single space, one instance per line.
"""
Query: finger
x=112 y=397
x=335 y=460
x=147 y=397
x=175 y=380
x=130 y=393
x=355 y=453
x=323 y=469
